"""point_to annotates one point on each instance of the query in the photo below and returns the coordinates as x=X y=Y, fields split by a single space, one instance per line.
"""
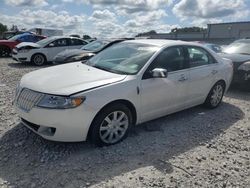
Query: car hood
x=236 y=57
x=68 y=79
x=24 y=44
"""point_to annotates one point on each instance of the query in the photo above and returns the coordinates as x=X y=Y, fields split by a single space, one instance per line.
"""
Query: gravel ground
x=192 y=148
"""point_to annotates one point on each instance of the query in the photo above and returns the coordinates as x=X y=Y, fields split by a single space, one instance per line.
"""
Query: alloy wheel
x=114 y=127
x=217 y=95
x=39 y=59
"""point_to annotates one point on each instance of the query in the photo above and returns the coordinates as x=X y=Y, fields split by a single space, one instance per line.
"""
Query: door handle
x=182 y=78
x=214 y=72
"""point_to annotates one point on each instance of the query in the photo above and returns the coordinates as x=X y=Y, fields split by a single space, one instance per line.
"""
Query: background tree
x=85 y=37
x=188 y=30
x=152 y=32
x=3 y=28
x=14 y=28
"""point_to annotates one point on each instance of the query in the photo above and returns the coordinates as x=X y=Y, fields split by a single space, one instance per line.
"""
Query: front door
x=160 y=96
x=56 y=47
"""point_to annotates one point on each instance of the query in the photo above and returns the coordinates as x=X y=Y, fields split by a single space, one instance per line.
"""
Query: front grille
x=27 y=99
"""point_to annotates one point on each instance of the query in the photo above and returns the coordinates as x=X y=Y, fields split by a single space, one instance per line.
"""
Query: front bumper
x=241 y=77
x=70 y=125
x=19 y=57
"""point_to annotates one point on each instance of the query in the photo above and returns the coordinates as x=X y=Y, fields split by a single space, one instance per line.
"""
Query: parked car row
x=6 y=46
x=128 y=83
x=85 y=52
x=239 y=53
x=45 y=50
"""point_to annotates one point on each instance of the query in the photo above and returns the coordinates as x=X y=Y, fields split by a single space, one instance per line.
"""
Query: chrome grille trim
x=27 y=99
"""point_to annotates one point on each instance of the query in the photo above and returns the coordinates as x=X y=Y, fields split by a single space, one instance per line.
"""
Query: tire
x=105 y=130
x=38 y=59
x=5 y=51
x=215 y=95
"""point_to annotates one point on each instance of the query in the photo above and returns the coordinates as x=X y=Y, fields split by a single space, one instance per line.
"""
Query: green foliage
x=3 y=28
x=85 y=37
x=152 y=32
x=188 y=30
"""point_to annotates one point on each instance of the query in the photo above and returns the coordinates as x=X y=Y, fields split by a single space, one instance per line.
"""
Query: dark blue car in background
x=6 y=46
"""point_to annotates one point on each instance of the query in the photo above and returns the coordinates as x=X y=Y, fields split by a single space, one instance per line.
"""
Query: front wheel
x=111 y=125
x=215 y=95
x=38 y=59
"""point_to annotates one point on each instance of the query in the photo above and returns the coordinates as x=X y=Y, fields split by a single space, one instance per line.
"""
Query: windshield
x=45 y=41
x=215 y=48
x=238 y=47
x=95 y=45
x=14 y=38
x=123 y=58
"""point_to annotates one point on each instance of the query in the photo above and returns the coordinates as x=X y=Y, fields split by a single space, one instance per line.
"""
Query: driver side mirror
x=159 y=73
x=51 y=45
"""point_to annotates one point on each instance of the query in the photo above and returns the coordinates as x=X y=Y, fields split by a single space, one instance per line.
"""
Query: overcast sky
x=104 y=18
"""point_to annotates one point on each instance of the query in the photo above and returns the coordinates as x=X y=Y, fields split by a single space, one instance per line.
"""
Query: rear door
x=203 y=71
x=76 y=43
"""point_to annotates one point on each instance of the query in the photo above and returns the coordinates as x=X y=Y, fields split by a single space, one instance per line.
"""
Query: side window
x=199 y=57
x=60 y=43
x=76 y=42
x=172 y=59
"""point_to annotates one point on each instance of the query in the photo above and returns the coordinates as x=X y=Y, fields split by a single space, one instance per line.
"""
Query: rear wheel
x=5 y=51
x=38 y=59
x=215 y=95
x=111 y=125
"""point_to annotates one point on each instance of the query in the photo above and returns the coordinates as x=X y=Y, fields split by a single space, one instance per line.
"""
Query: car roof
x=63 y=37
x=161 y=42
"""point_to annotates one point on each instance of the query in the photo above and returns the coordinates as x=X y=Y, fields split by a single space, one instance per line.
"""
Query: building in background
x=47 y=32
x=219 y=33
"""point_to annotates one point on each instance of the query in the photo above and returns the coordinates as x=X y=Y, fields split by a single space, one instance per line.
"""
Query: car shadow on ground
x=26 y=158
x=25 y=65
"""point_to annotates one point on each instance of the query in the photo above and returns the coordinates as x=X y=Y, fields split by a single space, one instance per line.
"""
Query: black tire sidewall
x=33 y=57
x=208 y=99
x=95 y=126
x=7 y=51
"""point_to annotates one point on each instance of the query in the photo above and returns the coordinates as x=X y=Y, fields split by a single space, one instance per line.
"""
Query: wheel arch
x=40 y=53
x=222 y=81
x=125 y=102
x=4 y=46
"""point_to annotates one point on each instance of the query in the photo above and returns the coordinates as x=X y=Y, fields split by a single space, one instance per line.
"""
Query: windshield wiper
x=108 y=70
x=102 y=68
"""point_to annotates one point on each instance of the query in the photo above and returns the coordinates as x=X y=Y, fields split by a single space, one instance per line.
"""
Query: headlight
x=75 y=58
x=23 y=50
x=245 y=66
x=59 y=102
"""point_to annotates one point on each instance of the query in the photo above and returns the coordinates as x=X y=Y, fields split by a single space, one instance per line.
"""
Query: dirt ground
x=193 y=148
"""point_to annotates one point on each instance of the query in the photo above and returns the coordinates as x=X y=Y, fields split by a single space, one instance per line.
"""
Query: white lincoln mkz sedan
x=127 y=84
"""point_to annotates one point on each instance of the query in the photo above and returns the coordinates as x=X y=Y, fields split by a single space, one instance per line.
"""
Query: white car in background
x=124 y=85
x=46 y=49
